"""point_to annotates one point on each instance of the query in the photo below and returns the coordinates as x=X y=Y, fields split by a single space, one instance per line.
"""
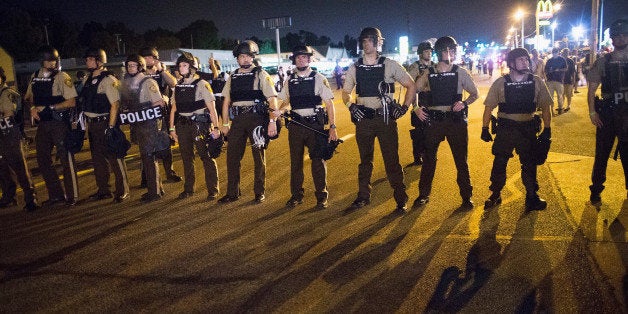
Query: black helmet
x=370 y=32
x=149 y=51
x=444 y=43
x=187 y=58
x=300 y=50
x=619 y=27
x=141 y=62
x=247 y=47
x=516 y=53
x=426 y=45
x=96 y=53
x=48 y=53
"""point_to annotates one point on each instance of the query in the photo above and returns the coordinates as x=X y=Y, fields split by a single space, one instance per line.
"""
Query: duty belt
x=96 y=119
x=438 y=115
x=503 y=122
x=309 y=119
x=238 y=110
x=195 y=118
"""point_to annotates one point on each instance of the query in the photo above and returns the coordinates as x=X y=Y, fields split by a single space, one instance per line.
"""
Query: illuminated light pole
x=577 y=32
x=553 y=29
x=512 y=31
x=519 y=15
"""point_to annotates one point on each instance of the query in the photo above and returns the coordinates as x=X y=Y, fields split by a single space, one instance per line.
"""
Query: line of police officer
x=250 y=112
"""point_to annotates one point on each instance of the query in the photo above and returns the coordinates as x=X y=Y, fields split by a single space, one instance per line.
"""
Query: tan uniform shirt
x=598 y=70
x=262 y=81
x=61 y=86
x=203 y=92
x=8 y=101
x=150 y=92
x=496 y=95
x=321 y=88
x=393 y=72
x=414 y=71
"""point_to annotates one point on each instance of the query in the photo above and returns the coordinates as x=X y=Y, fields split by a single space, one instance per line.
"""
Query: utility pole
x=595 y=5
x=118 y=42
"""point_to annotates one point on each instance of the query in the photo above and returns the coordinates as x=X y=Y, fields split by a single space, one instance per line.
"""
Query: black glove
x=486 y=135
x=398 y=111
x=546 y=134
x=356 y=112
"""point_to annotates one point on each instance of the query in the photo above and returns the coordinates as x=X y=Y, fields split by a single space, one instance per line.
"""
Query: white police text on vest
x=142 y=115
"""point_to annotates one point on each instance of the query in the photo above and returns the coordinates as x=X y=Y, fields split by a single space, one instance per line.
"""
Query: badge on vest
x=151 y=113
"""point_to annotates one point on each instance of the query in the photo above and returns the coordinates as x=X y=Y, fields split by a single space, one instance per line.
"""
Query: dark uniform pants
x=454 y=130
x=187 y=132
x=418 y=136
x=145 y=133
x=604 y=140
x=103 y=159
x=51 y=134
x=366 y=130
x=299 y=138
x=241 y=130
x=521 y=137
x=12 y=158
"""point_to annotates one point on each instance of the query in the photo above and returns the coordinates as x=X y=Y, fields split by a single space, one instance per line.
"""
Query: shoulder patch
x=326 y=82
x=153 y=88
x=115 y=84
x=68 y=82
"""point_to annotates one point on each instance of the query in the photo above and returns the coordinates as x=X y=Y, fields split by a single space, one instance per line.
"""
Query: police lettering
x=140 y=116
x=621 y=96
x=6 y=123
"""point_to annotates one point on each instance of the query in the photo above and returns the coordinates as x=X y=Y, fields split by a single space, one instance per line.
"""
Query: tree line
x=22 y=32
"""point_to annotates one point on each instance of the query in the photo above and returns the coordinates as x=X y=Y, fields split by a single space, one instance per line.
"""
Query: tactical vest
x=615 y=81
x=42 y=90
x=444 y=87
x=130 y=97
x=369 y=77
x=91 y=100
x=302 y=91
x=243 y=87
x=519 y=96
x=218 y=84
x=185 y=96
x=160 y=82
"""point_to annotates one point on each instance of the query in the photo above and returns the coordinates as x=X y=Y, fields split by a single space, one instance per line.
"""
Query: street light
x=519 y=15
x=553 y=29
x=512 y=31
x=577 y=32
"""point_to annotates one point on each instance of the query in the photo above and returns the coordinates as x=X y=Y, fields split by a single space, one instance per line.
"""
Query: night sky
x=466 y=20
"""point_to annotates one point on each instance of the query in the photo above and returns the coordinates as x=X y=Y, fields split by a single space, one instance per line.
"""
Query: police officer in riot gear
x=166 y=82
x=446 y=112
x=100 y=102
x=516 y=95
x=610 y=113
x=374 y=114
x=193 y=100
x=12 y=154
x=415 y=70
x=306 y=91
x=251 y=105
x=140 y=93
x=51 y=94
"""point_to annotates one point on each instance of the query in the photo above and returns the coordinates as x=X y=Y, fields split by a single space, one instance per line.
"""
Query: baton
x=290 y=120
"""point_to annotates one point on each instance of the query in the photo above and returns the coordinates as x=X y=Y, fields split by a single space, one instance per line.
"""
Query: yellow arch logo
x=544 y=9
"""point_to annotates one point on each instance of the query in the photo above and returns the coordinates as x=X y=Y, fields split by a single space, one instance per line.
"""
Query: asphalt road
x=198 y=256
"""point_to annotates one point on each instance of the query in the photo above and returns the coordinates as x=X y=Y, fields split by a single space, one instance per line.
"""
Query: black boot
x=534 y=202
